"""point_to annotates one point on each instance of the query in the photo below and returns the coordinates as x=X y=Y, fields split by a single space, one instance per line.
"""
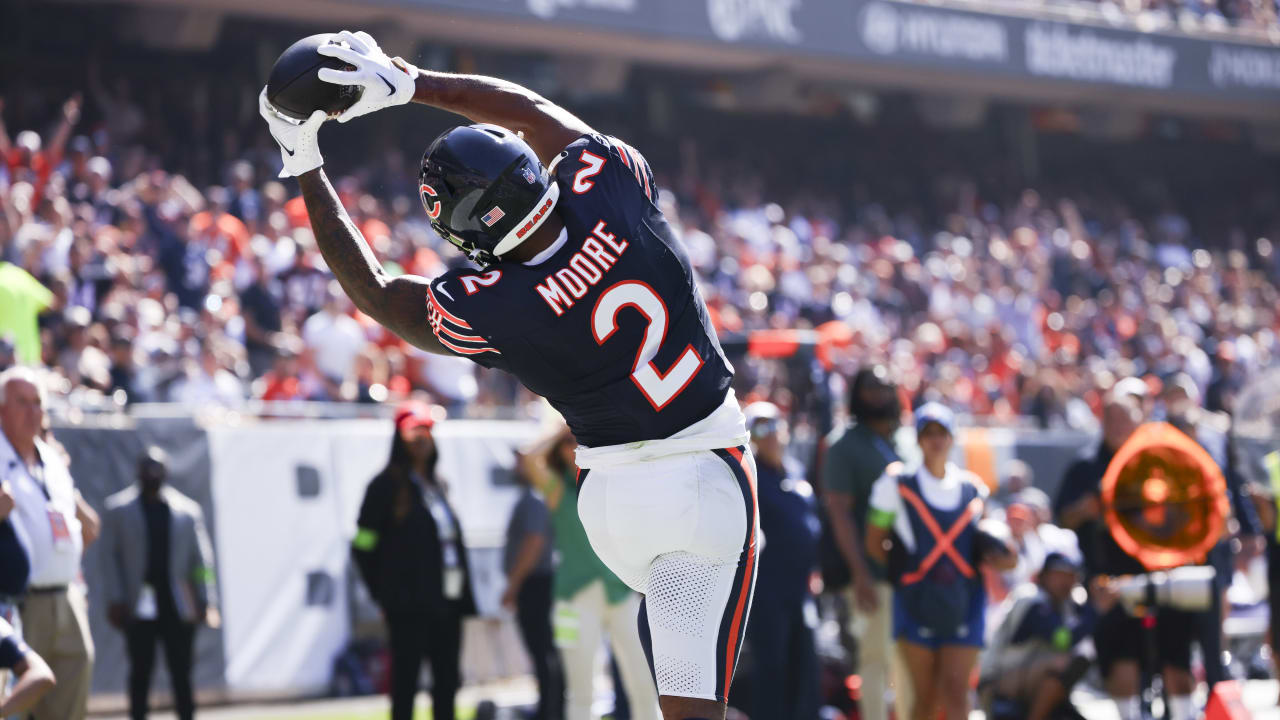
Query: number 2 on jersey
x=658 y=388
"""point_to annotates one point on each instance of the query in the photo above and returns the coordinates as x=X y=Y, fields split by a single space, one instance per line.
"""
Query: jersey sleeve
x=594 y=159
x=12 y=649
x=454 y=318
x=637 y=165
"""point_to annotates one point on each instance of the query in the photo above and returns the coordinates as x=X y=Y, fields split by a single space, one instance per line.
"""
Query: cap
x=1033 y=498
x=762 y=418
x=414 y=415
x=1183 y=381
x=760 y=410
x=935 y=412
x=1061 y=561
x=1130 y=386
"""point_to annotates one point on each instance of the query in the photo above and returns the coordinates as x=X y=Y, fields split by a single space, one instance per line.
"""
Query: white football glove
x=298 y=139
x=385 y=82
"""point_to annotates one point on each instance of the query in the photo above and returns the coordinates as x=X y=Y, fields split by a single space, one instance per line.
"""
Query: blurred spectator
x=856 y=457
x=1028 y=516
x=82 y=361
x=124 y=374
x=333 y=335
x=28 y=159
x=223 y=236
x=1036 y=656
x=1078 y=506
x=1180 y=401
x=411 y=555
x=284 y=381
x=205 y=382
x=590 y=599
x=159 y=580
x=22 y=299
x=58 y=524
x=785 y=675
x=1119 y=636
x=261 y=316
x=1016 y=476
x=244 y=203
x=527 y=560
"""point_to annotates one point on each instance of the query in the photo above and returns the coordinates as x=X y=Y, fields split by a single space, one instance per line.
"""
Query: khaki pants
x=579 y=623
x=879 y=665
x=56 y=626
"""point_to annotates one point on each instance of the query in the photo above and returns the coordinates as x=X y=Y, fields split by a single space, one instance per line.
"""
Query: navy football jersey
x=610 y=328
x=12 y=650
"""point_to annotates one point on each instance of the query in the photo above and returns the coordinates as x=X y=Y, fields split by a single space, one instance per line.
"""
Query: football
x=295 y=88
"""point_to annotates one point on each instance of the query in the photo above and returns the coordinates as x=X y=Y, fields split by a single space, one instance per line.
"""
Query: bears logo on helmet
x=432 y=206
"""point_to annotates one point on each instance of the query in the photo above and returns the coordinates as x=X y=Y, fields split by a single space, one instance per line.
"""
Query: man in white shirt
x=335 y=336
x=59 y=524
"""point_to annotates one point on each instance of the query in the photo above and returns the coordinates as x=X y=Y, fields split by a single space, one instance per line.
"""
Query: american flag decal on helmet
x=528 y=175
x=492 y=216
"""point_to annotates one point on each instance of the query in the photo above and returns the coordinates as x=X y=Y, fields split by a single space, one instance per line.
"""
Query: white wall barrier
x=288 y=494
x=282 y=497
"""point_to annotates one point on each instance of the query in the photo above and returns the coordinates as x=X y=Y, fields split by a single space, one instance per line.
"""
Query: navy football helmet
x=485 y=190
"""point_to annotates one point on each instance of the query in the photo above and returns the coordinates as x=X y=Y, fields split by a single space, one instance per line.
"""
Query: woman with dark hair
x=410 y=552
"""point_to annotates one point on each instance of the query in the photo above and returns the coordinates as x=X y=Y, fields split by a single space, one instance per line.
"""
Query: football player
x=585 y=294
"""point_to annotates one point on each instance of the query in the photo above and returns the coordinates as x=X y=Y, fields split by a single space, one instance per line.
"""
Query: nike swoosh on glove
x=299 y=141
x=385 y=82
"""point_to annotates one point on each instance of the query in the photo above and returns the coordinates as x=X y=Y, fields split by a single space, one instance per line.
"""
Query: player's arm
x=547 y=127
x=34 y=680
x=397 y=303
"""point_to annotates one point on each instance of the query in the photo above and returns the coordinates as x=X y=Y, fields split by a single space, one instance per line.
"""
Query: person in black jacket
x=410 y=552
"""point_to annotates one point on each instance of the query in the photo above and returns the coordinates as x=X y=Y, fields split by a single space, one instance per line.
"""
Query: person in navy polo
x=781 y=640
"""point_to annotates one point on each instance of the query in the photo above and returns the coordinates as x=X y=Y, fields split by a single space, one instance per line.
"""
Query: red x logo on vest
x=945 y=542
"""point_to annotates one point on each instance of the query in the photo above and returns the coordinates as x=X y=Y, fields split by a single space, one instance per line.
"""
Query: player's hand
x=864 y=592
x=6 y=501
x=1103 y=595
x=299 y=141
x=71 y=109
x=385 y=82
x=509 y=597
x=117 y=615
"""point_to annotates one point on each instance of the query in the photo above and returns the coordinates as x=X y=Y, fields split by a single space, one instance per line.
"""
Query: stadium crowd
x=133 y=281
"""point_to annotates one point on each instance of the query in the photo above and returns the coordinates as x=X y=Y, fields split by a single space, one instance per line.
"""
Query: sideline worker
x=410 y=552
x=939 y=602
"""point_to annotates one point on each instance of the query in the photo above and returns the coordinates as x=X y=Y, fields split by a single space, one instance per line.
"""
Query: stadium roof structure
x=1044 y=52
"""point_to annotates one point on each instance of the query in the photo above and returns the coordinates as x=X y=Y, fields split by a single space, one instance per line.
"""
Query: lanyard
x=886 y=450
x=36 y=474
